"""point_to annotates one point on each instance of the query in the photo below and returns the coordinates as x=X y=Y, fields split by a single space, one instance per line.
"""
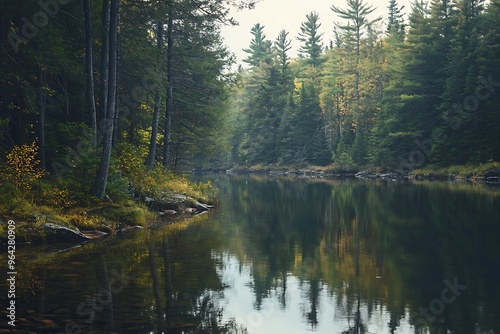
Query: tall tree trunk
x=89 y=71
x=169 y=108
x=102 y=173
x=103 y=87
x=156 y=114
x=150 y=161
x=42 y=78
x=117 y=90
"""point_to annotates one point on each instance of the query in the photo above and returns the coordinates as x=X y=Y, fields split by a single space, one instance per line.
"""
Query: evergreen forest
x=400 y=92
x=104 y=99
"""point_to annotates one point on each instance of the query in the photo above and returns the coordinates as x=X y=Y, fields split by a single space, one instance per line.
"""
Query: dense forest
x=107 y=97
x=103 y=97
x=404 y=94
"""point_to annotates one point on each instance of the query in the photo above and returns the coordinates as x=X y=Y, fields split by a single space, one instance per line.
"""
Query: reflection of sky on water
x=239 y=300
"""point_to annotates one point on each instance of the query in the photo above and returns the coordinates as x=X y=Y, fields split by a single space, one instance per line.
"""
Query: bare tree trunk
x=169 y=109
x=103 y=89
x=42 y=78
x=117 y=112
x=156 y=114
x=117 y=91
x=102 y=173
x=89 y=70
x=150 y=161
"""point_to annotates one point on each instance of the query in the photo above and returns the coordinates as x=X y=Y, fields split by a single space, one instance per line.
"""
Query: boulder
x=361 y=174
x=61 y=233
x=170 y=212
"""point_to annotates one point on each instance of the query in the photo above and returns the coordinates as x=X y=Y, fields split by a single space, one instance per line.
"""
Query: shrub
x=157 y=181
x=52 y=194
x=21 y=167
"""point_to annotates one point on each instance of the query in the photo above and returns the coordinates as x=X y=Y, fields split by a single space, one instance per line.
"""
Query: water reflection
x=284 y=255
x=381 y=253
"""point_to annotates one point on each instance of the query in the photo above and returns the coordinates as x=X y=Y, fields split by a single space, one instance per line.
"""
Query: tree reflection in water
x=333 y=256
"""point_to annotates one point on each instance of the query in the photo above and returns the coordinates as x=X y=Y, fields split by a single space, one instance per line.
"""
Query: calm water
x=283 y=256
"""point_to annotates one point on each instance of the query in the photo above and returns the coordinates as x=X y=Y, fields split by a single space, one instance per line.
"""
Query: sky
x=277 y=15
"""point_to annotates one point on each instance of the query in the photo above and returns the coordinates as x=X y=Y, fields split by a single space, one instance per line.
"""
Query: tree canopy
x=414 y=92
x=85 y=79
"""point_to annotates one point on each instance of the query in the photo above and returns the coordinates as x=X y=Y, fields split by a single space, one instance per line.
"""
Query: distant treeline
x=417 y=91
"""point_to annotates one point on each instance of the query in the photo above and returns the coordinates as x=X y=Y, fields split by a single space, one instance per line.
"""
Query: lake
x=282 y=255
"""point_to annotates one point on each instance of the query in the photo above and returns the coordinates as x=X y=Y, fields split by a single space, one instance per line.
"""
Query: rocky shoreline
x=488 y=178
x=169 y=210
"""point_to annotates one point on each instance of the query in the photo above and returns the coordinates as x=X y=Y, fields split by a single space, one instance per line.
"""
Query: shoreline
x=477 y=174
x=54 y=232
x=85 y=224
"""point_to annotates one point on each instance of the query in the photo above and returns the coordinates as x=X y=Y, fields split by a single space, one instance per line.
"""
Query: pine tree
x=312 y=46
x=407 y=97
x=311 y=127
x=462 y=71
x=260 y=47
x=329 y=99
x=488 y=139
x=357 y=16
x=396 y=25
x=281 y=46
x=383 y=144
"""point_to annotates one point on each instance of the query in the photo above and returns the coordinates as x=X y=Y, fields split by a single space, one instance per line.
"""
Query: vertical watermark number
x=11 y=272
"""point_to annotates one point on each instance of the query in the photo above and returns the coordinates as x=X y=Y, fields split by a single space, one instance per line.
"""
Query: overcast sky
x=276 y=15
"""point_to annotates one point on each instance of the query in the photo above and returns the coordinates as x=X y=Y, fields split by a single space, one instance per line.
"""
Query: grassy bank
x=32 y=197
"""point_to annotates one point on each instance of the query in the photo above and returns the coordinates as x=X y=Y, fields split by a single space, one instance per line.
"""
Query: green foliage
x=341 y=158
x=405 y=100
x=359 y=153
x=396 y=25
x=157 y=182
x=381 y=95
x=312 y=46
x=260 y=48
x=200 y=96
x=53 y=193
x=281 y=47
x=12 y=202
